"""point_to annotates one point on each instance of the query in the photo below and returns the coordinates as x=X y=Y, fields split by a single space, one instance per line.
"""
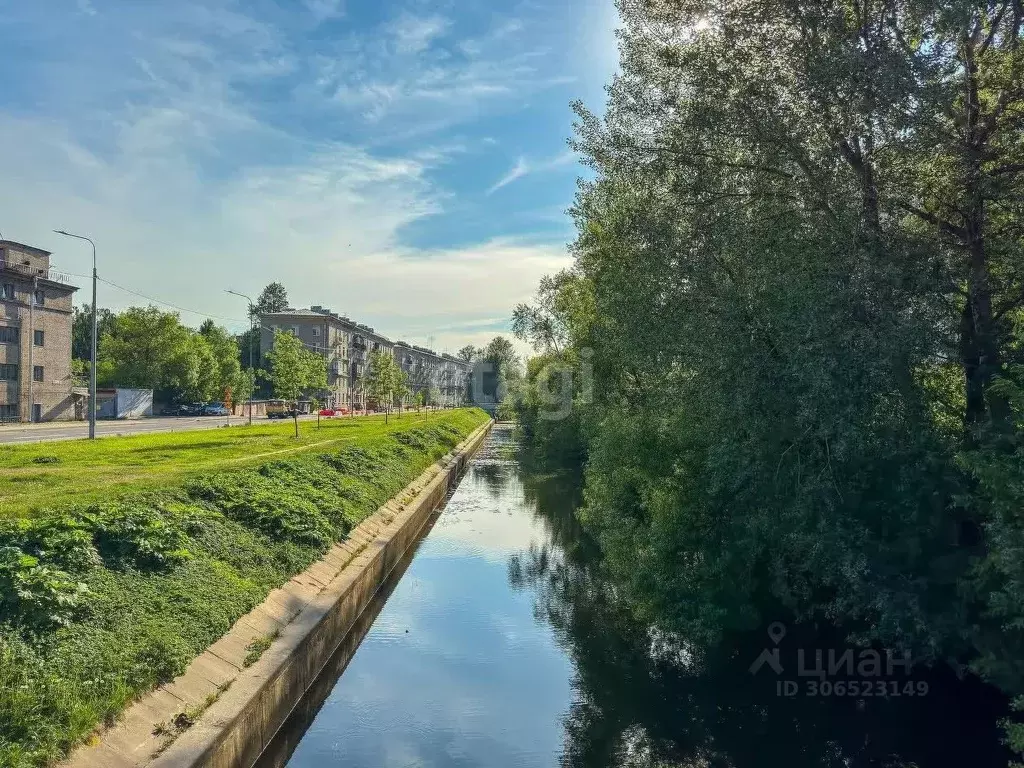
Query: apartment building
x=365 y=341
x=346 y=347
x=323 y=332
x=441 y=377
x=35 y=338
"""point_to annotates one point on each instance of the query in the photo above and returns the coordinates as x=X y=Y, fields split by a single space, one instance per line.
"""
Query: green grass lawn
x=41 y=477
x=123 y=559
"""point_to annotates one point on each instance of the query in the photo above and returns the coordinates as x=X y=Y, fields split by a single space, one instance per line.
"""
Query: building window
x=40 y=298
x=9 y=411
x=8 y=372
x=7 y=293
x=38 y=338
x=37 y=373
x=316 y=331
x=9 y=335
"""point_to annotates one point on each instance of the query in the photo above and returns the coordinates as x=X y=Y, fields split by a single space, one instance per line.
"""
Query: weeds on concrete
x=258 y=647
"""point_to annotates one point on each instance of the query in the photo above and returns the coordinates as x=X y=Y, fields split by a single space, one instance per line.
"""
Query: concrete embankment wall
x=240 y=725
x=312 y=616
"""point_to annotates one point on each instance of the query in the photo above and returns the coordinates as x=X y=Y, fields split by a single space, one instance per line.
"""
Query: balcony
x=26 y=271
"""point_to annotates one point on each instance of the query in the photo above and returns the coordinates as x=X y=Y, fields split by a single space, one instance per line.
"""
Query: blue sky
x=402 y=162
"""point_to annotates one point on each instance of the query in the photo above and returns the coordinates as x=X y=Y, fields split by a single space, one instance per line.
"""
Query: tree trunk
x=295 y=417
x=979 y=346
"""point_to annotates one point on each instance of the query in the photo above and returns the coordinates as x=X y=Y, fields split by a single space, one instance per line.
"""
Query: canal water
x=498 y=644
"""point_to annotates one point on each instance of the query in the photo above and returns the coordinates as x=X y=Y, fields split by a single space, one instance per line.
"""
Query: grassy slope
x=175 y=558
x=85 y=470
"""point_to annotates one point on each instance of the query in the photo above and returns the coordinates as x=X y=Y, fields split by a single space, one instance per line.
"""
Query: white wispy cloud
x=517 y=171
x=329 y=228
x=158 y=149
x=522 y=167
x=418 y=73
x=323 y=10
x=413 y=34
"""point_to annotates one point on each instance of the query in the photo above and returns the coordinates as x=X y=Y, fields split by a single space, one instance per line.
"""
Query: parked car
x=183 y=410
x=279 y=409
x=215 y=409
x=328 y=412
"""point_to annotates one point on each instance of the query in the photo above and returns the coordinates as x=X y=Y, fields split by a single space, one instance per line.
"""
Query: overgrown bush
x=138 y=534
x=65 y=541
x=275 y=512
x=37 y=596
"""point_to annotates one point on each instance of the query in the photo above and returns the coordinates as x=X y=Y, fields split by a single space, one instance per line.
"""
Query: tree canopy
x=386 y=381
x=797 y=294
x=273 y=298
x=148 y=348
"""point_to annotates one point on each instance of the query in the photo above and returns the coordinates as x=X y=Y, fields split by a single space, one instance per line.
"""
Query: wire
x=154 y=299
x=169 y=304
x=319 y=348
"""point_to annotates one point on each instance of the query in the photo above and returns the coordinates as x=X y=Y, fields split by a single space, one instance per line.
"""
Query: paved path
x=41 y=433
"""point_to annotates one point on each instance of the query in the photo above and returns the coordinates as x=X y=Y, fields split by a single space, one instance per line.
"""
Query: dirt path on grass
x=296 y=449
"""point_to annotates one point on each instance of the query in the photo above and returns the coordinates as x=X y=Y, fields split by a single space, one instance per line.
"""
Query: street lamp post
x=252 y=344
x=92 y=372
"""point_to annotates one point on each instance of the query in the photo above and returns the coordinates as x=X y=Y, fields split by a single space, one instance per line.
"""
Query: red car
x=328 y=412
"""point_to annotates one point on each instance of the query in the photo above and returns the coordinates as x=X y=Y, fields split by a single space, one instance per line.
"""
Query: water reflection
x=456 y=670
x=503 y=646
x=645 y=700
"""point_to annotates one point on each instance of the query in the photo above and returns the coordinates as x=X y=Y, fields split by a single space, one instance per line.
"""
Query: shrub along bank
x=102 y=601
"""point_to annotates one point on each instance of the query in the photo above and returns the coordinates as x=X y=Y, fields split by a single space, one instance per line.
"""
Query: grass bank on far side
x=109 y=589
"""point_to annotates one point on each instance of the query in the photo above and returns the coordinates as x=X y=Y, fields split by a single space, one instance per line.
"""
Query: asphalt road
x=41 y=433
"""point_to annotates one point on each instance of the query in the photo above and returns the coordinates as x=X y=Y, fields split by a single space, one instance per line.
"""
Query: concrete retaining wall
x=236 y=729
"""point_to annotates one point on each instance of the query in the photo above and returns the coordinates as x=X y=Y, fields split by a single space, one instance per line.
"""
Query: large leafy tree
x=81 y=330
x=148 y=348
x=498 y=367
x=224 y=349
x=385 y=381
x=468 y=353
x=798 y=270
x=273 y=298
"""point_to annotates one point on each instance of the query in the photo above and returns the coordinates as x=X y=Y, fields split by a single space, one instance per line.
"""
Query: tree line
x=792 y=336
x=149 y=348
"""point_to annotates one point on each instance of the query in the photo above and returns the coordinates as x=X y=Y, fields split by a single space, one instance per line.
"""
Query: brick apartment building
x=35 y=338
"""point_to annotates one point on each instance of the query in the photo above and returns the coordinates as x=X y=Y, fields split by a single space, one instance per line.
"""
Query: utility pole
x=252 y=344
x=92 y=372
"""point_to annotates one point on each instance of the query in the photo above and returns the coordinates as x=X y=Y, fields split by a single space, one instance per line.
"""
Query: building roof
x=322 y=313
x=23 y=247
x=299 y=312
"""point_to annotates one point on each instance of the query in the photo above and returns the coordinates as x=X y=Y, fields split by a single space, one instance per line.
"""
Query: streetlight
x=92 y=373
x=252 y=357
